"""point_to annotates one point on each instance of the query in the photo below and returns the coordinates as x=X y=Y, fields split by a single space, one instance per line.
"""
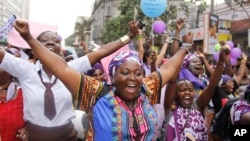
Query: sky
x=61 y=13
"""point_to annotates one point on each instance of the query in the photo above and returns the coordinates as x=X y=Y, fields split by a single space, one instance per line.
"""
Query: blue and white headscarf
x=120 y=58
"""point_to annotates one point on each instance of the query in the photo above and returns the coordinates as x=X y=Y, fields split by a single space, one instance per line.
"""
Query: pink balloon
x=159 y=27
x=231 y=44
x=235 y=53
x=233 y=61
x=216 y=56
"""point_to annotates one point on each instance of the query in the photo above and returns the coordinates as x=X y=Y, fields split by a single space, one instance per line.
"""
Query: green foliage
x=114 y=29
x=118 y=26
x=202 y=7
x=69 y=40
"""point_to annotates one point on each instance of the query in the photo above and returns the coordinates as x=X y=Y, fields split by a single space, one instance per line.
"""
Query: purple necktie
x=49 y=102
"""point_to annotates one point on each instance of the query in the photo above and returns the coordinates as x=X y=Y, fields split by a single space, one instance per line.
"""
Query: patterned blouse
x=111 y=119
x=186 y=124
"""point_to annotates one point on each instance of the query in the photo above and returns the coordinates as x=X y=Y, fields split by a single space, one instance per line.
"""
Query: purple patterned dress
x=186 y=124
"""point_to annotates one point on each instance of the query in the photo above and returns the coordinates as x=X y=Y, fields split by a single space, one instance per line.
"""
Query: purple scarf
x=186 y=74
x=186 y=123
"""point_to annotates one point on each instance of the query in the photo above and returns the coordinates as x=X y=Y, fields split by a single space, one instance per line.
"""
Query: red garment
x=11 y=118
x=223 y=101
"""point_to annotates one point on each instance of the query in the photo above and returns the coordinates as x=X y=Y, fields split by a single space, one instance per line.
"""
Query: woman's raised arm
x=58 y=66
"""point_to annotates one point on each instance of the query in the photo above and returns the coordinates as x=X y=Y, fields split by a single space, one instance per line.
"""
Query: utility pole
x=212 y=7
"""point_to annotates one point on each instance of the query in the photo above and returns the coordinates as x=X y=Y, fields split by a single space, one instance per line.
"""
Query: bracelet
x=125 y=39
x=176 y=39
x=186 y=48
x=243 y=61
x=186 y=44
x=139 y=37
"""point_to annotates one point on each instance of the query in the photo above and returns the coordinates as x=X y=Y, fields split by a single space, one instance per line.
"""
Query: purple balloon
x=235 y=53
x=159 y=27
x=216 y=56
x=233 y=61
x=230 y=44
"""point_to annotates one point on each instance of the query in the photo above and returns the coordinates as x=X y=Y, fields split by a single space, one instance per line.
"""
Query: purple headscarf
x=224 y=79
x=97 y=66
x=186 y=74
x=120 y=58
x=187 y=59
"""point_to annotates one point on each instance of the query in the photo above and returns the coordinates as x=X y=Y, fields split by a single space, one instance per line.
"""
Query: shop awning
x=240 y=26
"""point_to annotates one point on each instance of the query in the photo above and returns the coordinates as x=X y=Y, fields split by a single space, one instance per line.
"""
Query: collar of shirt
x=39 y=67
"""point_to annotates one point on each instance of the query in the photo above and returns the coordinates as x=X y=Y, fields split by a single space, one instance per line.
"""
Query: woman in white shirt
x=58 y=127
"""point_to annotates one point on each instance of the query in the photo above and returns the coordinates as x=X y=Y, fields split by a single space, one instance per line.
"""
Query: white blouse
x=33 y=90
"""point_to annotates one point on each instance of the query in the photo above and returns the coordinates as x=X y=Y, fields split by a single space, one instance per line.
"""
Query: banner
x=5 y=30
x=16 y=40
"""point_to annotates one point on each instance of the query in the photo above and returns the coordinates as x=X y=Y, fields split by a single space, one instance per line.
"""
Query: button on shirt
x=33 y=90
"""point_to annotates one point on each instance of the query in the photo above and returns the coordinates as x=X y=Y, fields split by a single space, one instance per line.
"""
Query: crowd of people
x=147 y=99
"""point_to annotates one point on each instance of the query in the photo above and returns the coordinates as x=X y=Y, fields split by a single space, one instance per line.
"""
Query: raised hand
x=224 y=53
x=188 y=38
x=179 y=24
x=244 y=56
x=23 y=28
x=133 y=29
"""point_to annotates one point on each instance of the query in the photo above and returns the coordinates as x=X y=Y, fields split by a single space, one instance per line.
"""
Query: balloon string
x=152 y=34
x=135 y=13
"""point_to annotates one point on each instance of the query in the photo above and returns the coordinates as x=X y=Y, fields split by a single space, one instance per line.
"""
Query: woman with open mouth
x=126 y=112
x=186 y=120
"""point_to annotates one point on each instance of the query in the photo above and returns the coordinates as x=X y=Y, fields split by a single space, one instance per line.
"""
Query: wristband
x=139 y=37
x=186 y=46
x=243 y=61
x=176 y=39
x=125 y=39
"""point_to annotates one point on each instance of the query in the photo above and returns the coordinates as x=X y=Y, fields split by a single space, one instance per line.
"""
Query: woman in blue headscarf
x=126 y=112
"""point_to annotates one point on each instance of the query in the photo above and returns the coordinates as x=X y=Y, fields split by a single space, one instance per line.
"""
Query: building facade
x=20 y=8
x=235 y=16
x=230 y=10
x=102 y=11
x=106 y=9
